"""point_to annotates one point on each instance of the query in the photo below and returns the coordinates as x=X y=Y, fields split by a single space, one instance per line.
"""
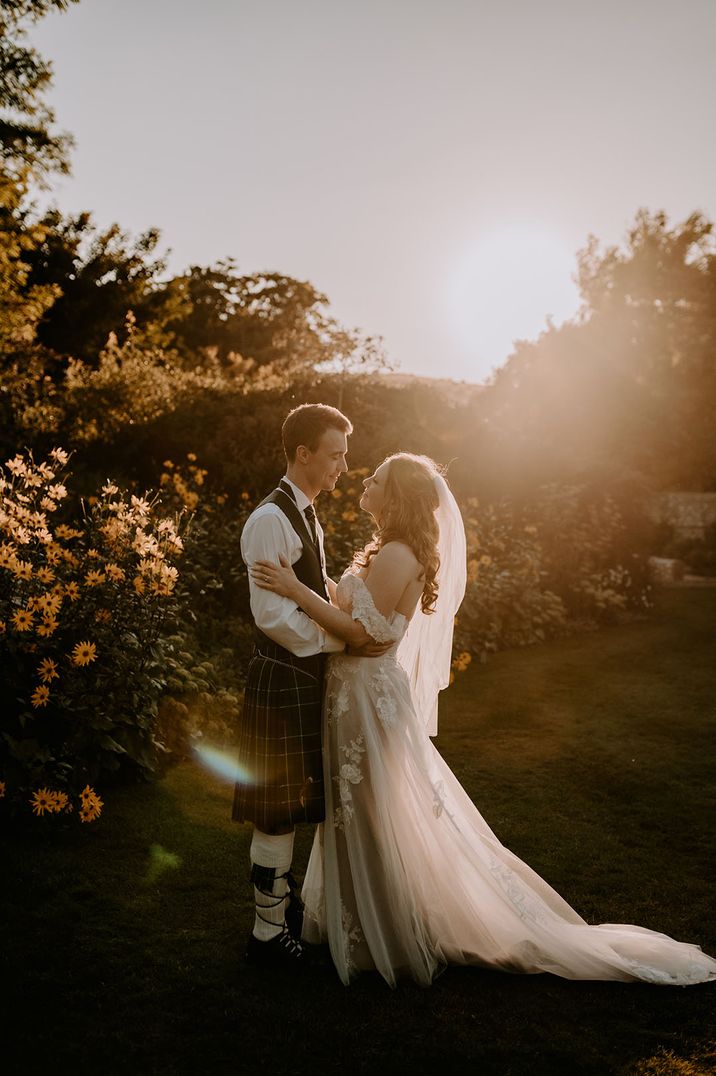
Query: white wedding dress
x=405 y=876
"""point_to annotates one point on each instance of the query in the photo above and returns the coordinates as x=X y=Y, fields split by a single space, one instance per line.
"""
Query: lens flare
x=222 y=763
x=160 y=860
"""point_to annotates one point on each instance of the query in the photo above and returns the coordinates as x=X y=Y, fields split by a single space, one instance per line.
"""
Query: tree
x=630 y=386
x=101 y=276
x=267 y=318
x=26 y=136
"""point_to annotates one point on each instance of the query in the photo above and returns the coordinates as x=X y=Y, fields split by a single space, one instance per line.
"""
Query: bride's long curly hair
x=408 y=515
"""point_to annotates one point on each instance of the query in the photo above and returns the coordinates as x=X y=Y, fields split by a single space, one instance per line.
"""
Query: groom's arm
x=268 y=534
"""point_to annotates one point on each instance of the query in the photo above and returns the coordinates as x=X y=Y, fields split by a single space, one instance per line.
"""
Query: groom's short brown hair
x=306 y=425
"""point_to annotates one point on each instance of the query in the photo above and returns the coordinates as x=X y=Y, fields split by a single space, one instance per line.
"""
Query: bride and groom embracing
x=405 y=876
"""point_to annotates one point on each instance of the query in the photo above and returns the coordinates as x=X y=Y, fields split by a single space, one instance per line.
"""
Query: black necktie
x=310 y=514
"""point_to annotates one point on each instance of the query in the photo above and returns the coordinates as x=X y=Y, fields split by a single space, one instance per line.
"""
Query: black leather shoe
x=283 y=951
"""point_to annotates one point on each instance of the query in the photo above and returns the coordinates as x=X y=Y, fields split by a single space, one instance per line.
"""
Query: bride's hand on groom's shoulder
x=280 y=578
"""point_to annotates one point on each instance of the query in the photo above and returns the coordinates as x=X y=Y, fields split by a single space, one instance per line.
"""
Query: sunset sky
x=431 y=165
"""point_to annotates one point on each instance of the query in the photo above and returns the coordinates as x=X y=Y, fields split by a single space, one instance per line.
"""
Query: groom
x=280 y=756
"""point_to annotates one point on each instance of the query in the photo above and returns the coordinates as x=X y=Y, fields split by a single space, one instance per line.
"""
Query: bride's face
x=373 y=495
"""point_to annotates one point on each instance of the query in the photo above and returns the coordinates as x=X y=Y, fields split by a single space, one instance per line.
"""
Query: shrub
x=590 y=557
x=83 y=605
x=505 y=603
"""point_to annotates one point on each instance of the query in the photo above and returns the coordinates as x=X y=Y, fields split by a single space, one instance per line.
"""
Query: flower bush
x=505 y=601
x=589 y=556
x=86 y=589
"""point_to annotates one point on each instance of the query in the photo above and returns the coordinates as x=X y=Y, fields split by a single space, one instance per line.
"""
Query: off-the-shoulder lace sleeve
x=363 y=609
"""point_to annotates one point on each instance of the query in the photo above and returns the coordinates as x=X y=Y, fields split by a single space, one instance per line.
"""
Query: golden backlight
x=505 y=286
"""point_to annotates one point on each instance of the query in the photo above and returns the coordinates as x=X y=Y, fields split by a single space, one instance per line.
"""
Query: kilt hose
x=279 y=743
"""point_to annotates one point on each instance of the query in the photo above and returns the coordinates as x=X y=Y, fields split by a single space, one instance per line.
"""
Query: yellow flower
x=7 y=555
x=72 y=591
x=3 y=627
x=57 y=492
x=92 y=501
x=23 y=569
x=102 y=616
x=59 y=456
x=45 y=575
x=191 y=456
x=94 y=554
x=162 y=586
x=94 y=578
x=16 y=465
x=40 y=696
x=141 y=504
x=22 y=620
x=48 y=504
x=139 y=584
x=53 y=553
x=47 y=627
x=43 y=800
x=91 y=805
x=348 y=516
x=51 y=603
x=168 y=464
x=60 y=801
x=336 y=493
x=47 y=670
x=245 y=496
x=84 y=653
x=114 y=572
x=2 y=789
x=110 y=488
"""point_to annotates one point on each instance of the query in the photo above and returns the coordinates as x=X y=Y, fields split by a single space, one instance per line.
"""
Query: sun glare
x=503 y=288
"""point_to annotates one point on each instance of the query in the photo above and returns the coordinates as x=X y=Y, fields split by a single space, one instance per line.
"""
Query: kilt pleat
x=279 y=746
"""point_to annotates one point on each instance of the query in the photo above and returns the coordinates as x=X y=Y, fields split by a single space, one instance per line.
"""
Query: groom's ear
x=303 y=454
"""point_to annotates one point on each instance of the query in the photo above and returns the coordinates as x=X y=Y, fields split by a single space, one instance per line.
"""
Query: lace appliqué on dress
x=385 y=703
x=352 y=936
x=363 y=609
x=528 y=909
x=349 y=774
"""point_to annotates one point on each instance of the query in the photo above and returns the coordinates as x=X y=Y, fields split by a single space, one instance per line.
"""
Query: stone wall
x=688 y=513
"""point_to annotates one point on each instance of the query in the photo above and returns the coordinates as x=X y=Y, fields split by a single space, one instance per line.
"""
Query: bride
x=405 y=876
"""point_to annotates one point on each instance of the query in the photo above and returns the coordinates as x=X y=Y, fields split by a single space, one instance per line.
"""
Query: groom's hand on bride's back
x=370 y=649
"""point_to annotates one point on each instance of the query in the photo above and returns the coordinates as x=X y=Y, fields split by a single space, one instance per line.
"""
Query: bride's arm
x=390 y=572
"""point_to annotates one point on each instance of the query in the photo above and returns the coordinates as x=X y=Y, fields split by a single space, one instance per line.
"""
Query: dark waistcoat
x=307 y=568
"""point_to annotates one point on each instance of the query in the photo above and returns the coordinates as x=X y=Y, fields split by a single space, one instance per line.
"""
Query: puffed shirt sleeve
x=267 y=534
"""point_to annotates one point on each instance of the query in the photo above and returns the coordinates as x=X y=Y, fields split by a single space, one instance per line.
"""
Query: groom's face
x=326 y=465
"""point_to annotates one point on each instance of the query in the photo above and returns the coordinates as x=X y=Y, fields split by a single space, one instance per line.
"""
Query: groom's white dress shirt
x=266 y=534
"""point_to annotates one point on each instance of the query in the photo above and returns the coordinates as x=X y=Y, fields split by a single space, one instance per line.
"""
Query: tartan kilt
x=279 y=744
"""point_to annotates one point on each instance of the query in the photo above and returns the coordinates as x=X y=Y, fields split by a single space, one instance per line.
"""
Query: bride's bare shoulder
x=398 y=556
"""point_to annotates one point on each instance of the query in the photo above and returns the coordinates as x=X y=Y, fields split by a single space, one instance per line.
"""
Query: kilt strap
x=314 y=665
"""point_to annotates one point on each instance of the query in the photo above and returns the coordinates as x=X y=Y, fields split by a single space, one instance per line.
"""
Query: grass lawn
x=591 y=758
